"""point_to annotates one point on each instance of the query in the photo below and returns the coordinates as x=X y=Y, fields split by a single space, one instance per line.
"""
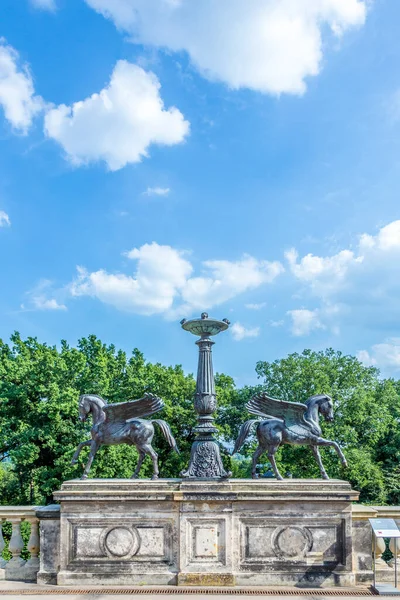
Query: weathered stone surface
x=243 y=532
x=362 y=542
x=49 y=528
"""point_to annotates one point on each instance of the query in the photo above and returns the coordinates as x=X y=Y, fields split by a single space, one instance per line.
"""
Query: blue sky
x=163 y=157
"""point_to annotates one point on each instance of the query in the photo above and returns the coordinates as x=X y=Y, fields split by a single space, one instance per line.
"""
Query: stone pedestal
x=232 y=532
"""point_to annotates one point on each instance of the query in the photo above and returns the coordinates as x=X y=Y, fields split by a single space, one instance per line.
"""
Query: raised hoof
x=344 y=463
x=154 y=477
x=73 y=462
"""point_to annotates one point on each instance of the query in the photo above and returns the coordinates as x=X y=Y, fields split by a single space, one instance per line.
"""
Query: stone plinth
x=230 y=532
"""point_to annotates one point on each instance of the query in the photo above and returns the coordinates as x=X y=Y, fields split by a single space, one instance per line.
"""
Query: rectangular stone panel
x=87 y=542
x=258 y=542
x=294 y=540
x=206 y=541
x=127 y=540
x=152 y=541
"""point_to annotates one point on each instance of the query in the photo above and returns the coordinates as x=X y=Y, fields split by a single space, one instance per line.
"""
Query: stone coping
x=362 y=512
x=230 y=490
x=8 y=513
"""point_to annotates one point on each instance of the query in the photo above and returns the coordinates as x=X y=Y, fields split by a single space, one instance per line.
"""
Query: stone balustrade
x=390 y=512
x=362 y=542
x=16 y=568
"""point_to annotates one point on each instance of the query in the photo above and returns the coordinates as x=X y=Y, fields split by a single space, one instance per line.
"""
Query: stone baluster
x=32 y=564
x=395 y=550
x=380 y=548
x=3 y=562
x=14 y=567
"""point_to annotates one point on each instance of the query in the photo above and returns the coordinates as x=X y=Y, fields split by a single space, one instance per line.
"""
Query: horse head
x=89 y=403
x=84 y=407
x=325 y=405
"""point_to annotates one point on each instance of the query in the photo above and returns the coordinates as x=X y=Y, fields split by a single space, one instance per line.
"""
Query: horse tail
x=243 y=433
x=167 y=433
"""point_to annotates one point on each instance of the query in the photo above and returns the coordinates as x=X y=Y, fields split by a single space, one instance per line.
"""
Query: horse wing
x=123 y=411
x=292 y=413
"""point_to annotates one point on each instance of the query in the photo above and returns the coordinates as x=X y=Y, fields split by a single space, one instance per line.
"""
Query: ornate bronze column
x=205 y=460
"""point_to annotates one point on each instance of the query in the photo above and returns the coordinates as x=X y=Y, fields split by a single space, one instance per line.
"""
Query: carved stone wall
x=295 y=532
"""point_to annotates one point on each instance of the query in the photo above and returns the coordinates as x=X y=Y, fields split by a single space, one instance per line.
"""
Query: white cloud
x=226 y=279
x=258 y=306
x=304 y=321
x=17 y=92
x=161 y=274
x=385 y=355
x=270 y=46
x=363 y=282
x=42 y=303
x=43 y=297
x=323 y=274
x=388 y=238
x=118 y=124
x=4 y=219
x=157 y=191
x=49 y=5
x=365 y=357
x=162 y=282
x=239 y=332
x=279 y=323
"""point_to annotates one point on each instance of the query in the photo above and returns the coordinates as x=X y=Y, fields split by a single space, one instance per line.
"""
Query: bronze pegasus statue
x=122 y=424
x=288 y=423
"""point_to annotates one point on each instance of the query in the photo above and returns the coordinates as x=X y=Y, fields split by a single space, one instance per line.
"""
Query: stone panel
x=277 y=540
x=206 y=541
x=120 y=540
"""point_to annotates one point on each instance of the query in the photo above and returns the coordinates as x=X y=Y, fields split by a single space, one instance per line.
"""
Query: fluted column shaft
x=205 y=401
x=205 y=375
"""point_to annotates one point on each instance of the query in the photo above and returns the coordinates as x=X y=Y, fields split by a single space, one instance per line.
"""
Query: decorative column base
x=205 y=461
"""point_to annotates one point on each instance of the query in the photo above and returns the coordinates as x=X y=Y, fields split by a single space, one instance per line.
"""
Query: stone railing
x=16 y=568
x=389 y=512
x=362 y=542
x=32 y=569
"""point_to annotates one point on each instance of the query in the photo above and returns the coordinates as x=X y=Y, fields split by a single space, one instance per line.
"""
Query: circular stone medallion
x=291 y=542
x=119 y=542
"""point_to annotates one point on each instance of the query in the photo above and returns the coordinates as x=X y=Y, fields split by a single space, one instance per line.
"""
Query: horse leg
x=147 y=448
x=78 y=451
x=271 y=455
x=317 y=457
x=256 y=456
x=324 y=442
x=93 y=449
x=139 y=464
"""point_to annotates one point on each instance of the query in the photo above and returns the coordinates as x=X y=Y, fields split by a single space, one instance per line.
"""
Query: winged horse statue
x=122 y=424
x=288 y=423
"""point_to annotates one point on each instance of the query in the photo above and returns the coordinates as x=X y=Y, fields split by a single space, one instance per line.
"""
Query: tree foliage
x=39 y=427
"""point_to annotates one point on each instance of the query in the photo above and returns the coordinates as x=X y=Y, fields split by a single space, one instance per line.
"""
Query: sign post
x=385 y=528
